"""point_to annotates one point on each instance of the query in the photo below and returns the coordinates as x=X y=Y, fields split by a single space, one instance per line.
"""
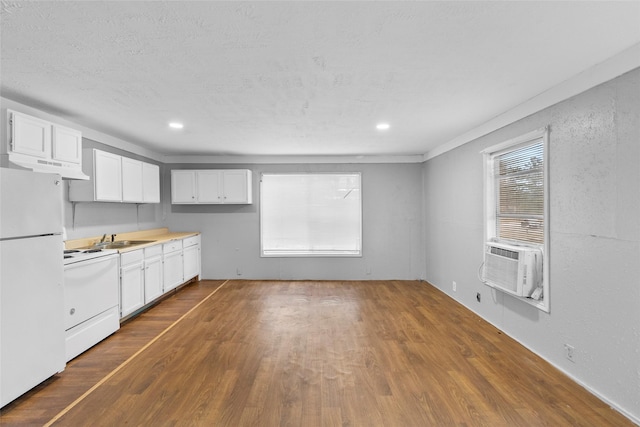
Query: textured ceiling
x=298 y=78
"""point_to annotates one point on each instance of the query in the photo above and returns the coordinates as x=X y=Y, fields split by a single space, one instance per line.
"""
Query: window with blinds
x=519 y=193
x=304 y=214
x=516 y=196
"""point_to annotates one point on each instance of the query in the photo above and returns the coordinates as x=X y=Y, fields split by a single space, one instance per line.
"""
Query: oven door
x=90 y=288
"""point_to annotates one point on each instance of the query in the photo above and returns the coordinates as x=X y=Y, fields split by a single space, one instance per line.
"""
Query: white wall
x=594 y=159
x=392 y=215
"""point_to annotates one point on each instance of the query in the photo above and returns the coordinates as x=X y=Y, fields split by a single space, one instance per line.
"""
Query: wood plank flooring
x=41 y=404
x=287 y=353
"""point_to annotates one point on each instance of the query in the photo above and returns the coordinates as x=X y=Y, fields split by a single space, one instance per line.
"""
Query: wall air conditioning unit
x=516 y=270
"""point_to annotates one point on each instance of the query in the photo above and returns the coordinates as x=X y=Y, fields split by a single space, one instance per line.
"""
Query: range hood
x=64 y=169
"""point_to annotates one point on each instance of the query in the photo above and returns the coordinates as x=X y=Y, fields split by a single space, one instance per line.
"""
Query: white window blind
x=311 y=214
x=519 y=188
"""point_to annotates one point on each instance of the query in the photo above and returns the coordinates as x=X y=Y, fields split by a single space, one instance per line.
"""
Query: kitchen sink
x=121 y=244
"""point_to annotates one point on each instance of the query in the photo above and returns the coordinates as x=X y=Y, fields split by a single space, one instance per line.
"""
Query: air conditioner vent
x=505 y=253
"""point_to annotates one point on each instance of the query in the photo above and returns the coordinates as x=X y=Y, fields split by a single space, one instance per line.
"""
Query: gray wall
x=392 y=215
x=425 y=221
x=594 y=160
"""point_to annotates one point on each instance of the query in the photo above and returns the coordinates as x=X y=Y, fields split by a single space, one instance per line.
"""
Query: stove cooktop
x=71 y=256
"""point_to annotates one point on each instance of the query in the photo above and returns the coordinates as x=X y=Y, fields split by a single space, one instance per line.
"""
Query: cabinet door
x=131 y=288
x=191 y=262
x=209 y=186
x=150 y=183
x=107 y=170
x=131 y=180
x=152 y=278
x=172 y=270
x=66 y=144
x=237 y=186
x=183 y=186
x=30 y=135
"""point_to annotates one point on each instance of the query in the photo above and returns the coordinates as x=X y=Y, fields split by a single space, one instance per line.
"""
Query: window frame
x=489 y=199
x=310 y=254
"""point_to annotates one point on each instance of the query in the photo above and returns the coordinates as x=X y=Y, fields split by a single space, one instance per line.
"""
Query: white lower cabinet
x=172 y=264
x=191 y=257
x=153 y=286
x=131 y=282
x=147 y=274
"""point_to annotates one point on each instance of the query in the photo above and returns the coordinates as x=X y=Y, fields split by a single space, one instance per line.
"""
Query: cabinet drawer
x=190 y=241
x=131 y=257
x=153 y=251
x=173 y=246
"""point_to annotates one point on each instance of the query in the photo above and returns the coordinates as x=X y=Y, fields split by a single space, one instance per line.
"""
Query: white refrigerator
x=32 y=345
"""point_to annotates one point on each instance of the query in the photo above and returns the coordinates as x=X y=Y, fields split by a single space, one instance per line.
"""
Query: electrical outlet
x=368 y=270
x=478 y=296
x=455 y=287
x=238 y=271
x=569 y=352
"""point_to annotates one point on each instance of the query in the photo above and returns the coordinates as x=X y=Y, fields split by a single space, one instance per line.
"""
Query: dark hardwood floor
x=307 y=353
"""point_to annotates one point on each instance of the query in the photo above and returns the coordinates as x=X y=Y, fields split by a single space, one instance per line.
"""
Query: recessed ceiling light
x=176 y=125
x=382 y=126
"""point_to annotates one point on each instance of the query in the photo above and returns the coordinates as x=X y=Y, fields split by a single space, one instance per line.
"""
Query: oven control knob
x=72 y=311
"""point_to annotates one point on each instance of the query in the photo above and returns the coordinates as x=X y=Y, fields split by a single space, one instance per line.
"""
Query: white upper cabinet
x=107 y=177
x=116 y=178
x=30 y=136
x=211 y=186
x=237 y=186
x=150 y=183
x=183 y=186
x=43 y=146
x=66 y=145
x=131 y=180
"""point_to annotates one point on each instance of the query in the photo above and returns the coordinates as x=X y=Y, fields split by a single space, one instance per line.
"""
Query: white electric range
x=91 y=297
